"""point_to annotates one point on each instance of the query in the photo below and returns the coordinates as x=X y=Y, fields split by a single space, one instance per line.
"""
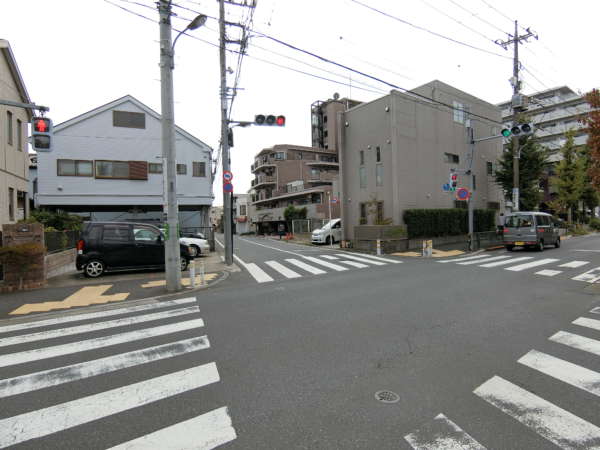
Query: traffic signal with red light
x=261 y=119
x=41 y=134
x=453 y=181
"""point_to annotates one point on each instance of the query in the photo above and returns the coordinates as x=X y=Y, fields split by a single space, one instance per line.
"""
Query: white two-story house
x=107 y=164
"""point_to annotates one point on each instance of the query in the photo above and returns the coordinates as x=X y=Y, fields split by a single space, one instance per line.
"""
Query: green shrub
x=595 y=224
x=446 y=222
x=55 y=221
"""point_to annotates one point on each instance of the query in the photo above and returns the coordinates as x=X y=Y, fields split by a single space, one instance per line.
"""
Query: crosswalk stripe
x=507 y=261
x=307 y=267
x=95 y=315
x=67 y=374
x=257 y=273
x=204 y=432
x=376 y=258
x=364 y=260
x=570 y=373
x=479 y=261
x=591 y=276
x=596 y=310
x=89 y=327
x=548 y=272
x=442 y=434
x=329 y=265
x=529 y=265
x=548 y=420
x=462 y=259
x=91 y=344
x=288 y=273
x=43 y=422
x=329 y=257
x=579 y=342
x=589 y=323
x=574 y=264
x=355 y=264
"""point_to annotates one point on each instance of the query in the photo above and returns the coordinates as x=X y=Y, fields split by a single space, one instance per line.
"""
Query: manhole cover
x=387 y=396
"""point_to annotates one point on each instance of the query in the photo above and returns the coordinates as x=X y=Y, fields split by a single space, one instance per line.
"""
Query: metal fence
x=307 y=225
x=58 y=241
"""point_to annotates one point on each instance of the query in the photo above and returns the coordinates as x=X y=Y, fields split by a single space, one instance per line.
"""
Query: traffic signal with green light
x=521 y=129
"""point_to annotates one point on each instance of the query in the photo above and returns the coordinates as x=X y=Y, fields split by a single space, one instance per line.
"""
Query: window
x=9 y=128
x=198 y=169
x=379 y=174
x=279 y=155
x=181 y=169
x=451 y=158
x=362 y=175
x=128 y=119
x=145 y=234
x=517 y=221
x=112 y=169
x=155 y=168
x=116 y=233
x=19 y=135
x=378 y=154
x=11 y=204
x=95 y=233
x=73 y=168
x=379 y=212
x=493 y=205
x=324 y=119
x=363 y=214
x=474 y=182
x=299 y=155
x=489 y=168
x=242 y=210
x=460 y=112
x=362 y=157
x=314 y=173
x=325 y=133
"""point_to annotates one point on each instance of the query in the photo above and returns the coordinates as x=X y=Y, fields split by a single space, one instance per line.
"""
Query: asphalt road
x=300 y=358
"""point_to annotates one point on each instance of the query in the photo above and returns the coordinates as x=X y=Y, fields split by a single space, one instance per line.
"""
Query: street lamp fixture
x=198 y=21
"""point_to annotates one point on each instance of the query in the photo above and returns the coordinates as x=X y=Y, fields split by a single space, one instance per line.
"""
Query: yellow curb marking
x=435 y=253
x=89 y=295
x=184 y=281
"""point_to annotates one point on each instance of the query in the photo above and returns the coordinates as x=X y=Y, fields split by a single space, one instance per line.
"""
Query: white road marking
x=548 y=272
x=95 y=315
x=328 y=257
x=579 y=342
x=92 y=344
x=89 y=327
x=307 y=267
x=591 y=276
x=272 y=248
x=462 y=259
x=376 y=258
x=479 y=261
x=325 y=263
x=43 y=422
x=548 y=420
x=219 y=242
x=204 y=432
x=444 y=434
x=589 y=323
x=54 y=377
x=507 y=261
x=257 y=273
x=570 y=373
x=596 y=310
x=539 y=262
x=355 y=264
x=365 y=260
x=574 y=264
x=288 y=273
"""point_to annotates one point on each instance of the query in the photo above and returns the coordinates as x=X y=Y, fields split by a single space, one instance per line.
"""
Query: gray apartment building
x=397 y=151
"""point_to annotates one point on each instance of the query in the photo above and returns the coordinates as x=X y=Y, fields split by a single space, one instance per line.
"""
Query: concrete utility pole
x=471 y=200
x=172 y=257
x=517 y=103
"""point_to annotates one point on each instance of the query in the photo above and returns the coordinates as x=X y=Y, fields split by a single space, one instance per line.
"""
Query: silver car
x=530 y=229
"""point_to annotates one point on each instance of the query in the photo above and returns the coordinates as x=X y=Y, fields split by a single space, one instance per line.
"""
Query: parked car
x=530 y=229
x=195 y=241
x=331 y=231
x=116 y=246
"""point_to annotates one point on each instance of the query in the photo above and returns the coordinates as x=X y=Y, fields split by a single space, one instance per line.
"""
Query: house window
x=155 y=168
x=11 y=204
x=379 y=212
x=325 y=133
x=460 y=112
x=378 y=154
x=362 y=175
x=379 y=174
x=489 y=166
x=324 y=119
x=181 y=169
x=314 y=173
x=128 y=119
x=363 y=214
x=9 y=128
x=112 y=169
x=299 y=155
x=198 y=169
x=362 y=157
x=19 y=135
x=451 y=158
x=73 y=168
x=242 y=210
x=279 y=155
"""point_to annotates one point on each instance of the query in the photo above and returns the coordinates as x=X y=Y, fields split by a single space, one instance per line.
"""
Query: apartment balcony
x=262 y=165
x=263 y=180
x=329 y=164
x=322 y=177
x=289 y=193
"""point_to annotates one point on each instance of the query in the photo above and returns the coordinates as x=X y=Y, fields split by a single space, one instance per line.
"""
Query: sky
x=76 y=55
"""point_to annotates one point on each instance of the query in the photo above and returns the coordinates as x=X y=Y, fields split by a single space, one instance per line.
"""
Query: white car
x=331 y=231
x=196 y=245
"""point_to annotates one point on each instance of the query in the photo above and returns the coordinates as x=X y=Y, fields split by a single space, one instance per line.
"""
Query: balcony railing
x=321 y=177
x=263 y=179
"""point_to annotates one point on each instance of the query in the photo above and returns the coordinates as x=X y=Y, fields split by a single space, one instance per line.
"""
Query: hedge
x=446 y=222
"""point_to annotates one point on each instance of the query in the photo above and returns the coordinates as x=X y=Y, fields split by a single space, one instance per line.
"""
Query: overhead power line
x=476 y=16
x=458 y=21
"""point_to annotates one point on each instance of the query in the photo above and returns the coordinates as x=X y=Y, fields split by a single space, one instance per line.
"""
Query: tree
x=591 y=121
x=292 y=213
x=590 y=195
x=533 y=160
x=570 y=176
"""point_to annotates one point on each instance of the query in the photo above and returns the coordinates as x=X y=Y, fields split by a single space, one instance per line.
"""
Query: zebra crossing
x=304 y=265
x=533 y=412
x=137 y=324
x=522 y=263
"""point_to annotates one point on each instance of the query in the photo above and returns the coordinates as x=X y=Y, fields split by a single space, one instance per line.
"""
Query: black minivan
x=116 y=246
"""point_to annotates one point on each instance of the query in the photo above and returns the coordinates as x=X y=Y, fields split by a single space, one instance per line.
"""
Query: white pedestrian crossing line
x=548 y=272
x=329 y=257
x=361 y=259
x=579 y=342
x=329 y=265
x=74 y=372
x=307 y=267
x=570 y=373
x=288 y=273
x=96 y=326
x=479 y=261
x=92 y=344
x=204 y=432
x=355 y=264
x=442 y=434
x=574 y=264
x=257 y=273
x=373 y=257
x=507 y=261
x=63 y=416
x=591 y=276
x=596 y=310
x=589 y=323
x=559 y=426
x=95 y=315
x=539 y=262
x=467 y=258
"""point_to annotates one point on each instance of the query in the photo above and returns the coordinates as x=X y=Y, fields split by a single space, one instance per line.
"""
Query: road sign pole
x=470 y=203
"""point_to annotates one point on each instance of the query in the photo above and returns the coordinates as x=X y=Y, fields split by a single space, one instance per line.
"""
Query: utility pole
x=517 y=103
x=471 y=199
x=172 y=257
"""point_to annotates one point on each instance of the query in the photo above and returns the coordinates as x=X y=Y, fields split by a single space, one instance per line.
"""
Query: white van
x=330 y=233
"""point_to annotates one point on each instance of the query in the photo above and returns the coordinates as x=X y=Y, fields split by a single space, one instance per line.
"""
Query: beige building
x=14 y=158
x=398 y=151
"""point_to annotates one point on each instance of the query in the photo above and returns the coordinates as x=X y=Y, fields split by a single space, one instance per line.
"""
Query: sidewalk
x=73 y=290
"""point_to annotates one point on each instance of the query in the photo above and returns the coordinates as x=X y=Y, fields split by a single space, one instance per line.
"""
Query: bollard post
x=193 y=273
x=379 y=247
x=202 y=282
